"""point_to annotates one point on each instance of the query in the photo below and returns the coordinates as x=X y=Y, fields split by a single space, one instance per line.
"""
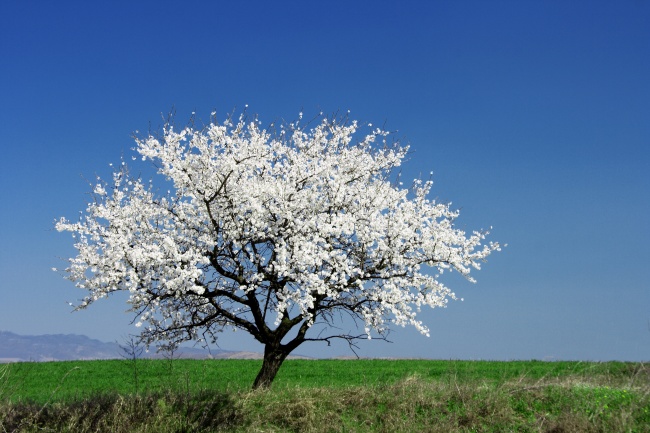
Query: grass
x=80 y=379
x=326 y=396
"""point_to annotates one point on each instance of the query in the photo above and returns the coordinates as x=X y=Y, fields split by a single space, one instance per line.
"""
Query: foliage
x=272 y=232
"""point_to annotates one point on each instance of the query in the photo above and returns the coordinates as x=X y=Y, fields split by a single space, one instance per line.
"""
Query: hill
x=69 y=347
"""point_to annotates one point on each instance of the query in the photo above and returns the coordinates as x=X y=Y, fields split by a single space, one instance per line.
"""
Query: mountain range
x=68 y=347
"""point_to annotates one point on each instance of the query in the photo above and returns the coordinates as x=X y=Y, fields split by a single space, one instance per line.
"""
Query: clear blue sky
x=534 y=117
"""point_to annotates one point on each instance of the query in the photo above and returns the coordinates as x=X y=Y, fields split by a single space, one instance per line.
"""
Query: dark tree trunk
x=273 y=358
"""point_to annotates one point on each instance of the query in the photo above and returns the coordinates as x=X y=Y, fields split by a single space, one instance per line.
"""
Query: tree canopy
x=271 y=231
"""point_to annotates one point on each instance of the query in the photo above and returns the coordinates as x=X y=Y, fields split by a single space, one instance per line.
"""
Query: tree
x=131 y=351
x=276 y=232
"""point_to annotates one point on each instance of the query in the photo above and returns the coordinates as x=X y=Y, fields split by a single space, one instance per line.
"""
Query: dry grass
x=569 y=404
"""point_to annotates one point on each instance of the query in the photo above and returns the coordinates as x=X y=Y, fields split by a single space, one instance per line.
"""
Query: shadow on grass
x=155 y=412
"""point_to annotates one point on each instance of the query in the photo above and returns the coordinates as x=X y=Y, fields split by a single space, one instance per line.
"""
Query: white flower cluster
x=297 y=224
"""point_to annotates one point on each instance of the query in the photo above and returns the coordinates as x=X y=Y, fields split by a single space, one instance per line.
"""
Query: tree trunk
x=273 y=358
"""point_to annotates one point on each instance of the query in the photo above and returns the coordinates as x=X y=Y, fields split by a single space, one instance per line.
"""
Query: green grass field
x=325 y=395
x=40 y=382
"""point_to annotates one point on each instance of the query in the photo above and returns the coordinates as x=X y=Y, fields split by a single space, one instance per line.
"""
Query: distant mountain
x=67 y=347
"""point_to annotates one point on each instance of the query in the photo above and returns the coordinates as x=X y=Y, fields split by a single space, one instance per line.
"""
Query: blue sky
x=534 y=117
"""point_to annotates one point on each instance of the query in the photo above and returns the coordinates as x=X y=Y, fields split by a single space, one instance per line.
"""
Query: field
x=325 y=396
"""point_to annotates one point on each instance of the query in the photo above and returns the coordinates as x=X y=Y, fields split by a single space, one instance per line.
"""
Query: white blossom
x=263 y=231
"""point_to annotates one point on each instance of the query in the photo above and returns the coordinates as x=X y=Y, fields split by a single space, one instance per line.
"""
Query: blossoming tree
x=274 y=232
